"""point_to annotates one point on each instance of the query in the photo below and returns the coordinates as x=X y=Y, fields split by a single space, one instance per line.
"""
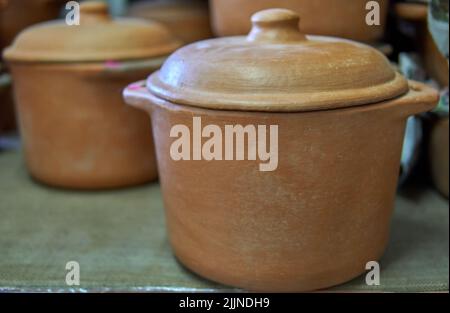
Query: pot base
x=99 y=184
x=307 y=282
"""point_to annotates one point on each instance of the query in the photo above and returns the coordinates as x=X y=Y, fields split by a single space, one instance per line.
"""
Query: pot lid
x=277 y=68
x=99 y=37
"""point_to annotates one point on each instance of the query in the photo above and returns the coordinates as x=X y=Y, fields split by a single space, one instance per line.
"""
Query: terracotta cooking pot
x=338 y=112
x=186 y=19
x=16 y=15
x=340 y=18
x=439 y=155
x=76 y=130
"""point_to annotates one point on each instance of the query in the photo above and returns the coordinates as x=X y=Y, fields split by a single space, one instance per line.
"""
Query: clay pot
x=7 y=117
x=324 y=212
x=16 y=15
x=435 y=63
x=76 y=130
x=439 y=155
x=186 y=19
x=345 y=18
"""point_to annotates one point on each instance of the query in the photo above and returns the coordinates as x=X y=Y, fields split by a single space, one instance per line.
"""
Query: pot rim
x=420 y=98
x=113 y=65
x=249 y=102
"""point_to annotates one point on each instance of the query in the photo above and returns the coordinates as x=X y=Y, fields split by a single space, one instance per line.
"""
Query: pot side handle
x=421 y=98
x=138 y=96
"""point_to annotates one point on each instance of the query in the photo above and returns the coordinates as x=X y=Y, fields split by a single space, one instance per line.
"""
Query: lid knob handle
x=94 y=12
x=277 y=26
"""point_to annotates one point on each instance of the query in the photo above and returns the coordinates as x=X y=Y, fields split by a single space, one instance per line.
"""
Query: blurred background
x=413 y=34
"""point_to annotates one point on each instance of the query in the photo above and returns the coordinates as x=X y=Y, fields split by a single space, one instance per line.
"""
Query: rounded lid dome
x=277 y=68
x=99 y=37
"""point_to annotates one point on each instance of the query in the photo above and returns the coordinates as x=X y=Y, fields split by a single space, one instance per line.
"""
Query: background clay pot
x=16 y=15
x=439 y=154
x=340 y=18
x=435 y=63
x=186 y=19
x=77 y=131
x=325 y=211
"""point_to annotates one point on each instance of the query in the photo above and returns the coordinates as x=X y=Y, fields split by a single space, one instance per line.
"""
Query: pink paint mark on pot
x=136 y=86
x=112 y=64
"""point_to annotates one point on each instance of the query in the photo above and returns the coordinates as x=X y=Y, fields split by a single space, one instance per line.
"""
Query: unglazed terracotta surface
x=313 y=223
x=186 y=19
x=411 y=11
x=340 y=18
x=277 y=68
x=439 y=155
x=99 y=37
x=77 y=131
x=16 y=15
x=317 y=219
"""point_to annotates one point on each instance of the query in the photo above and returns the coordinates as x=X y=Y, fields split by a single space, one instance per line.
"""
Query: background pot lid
x=99 y=37
x=276 y=68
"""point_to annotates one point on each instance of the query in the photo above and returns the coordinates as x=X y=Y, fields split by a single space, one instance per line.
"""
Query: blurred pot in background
x=77 y=131
x=340 y=18
x=429 y=21
x=435 y=63
x=16 y=15
x=438 y=24
x=186 y=19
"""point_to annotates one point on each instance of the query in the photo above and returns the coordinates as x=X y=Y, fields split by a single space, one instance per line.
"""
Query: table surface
x=119 y=239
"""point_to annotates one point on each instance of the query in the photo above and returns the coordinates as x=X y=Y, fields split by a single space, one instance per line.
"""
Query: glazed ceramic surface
x=186 y=19
x=340 y=18
x=324 y=212
x=77 y=131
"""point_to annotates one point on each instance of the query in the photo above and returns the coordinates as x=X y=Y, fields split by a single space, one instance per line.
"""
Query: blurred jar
x=186 y=19
x=16 y=15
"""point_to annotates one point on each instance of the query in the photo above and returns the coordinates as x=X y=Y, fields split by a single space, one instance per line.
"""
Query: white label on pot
x=233 y=143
